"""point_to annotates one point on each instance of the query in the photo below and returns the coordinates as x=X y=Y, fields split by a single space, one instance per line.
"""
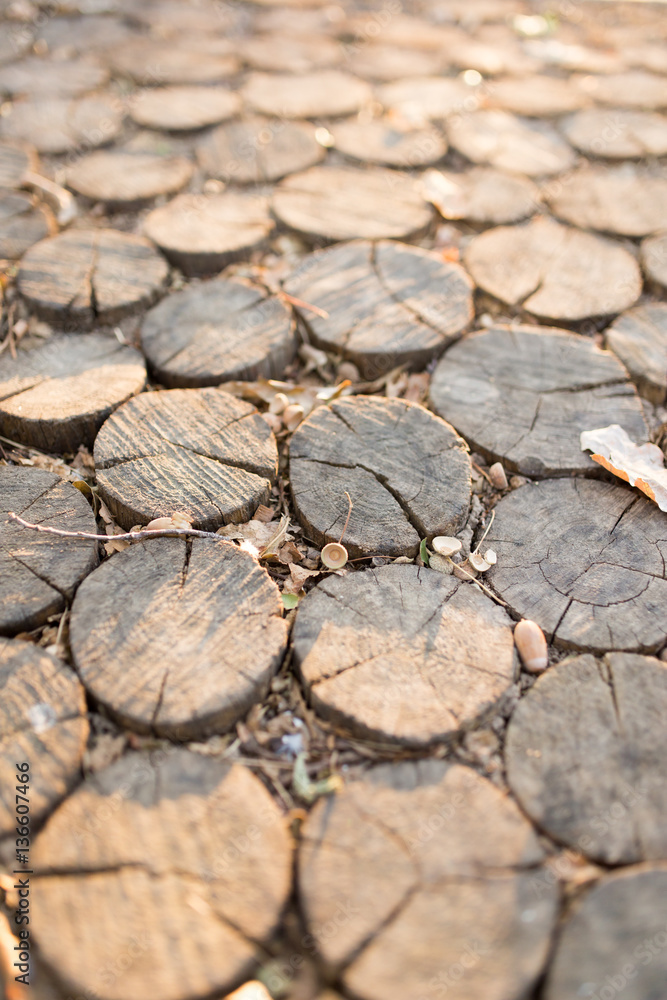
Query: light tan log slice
x=402 y=654
x=571 y=56
x=555 y=272
x=407 y=472
x=502 y=140
x=128 y=180
x=57 y=396
x=155 y=63
x=202 y=634
x=180 y=109
x=615 y=935
x=387 y=303
x=299 y=21
x=522 y=396
x=628 y=200
x=536 y=96
x=22 y=224
x=343 y=203
x=654 y=258
x=59 y=125
x=491 y=58
x=639 y=339
x=39 y=572
x=428 y=97
x=82 y=32
x=277 y=53
x=617 y=134
x=433 y=869
x=83 y=276
x=53 y=77
x=635 y=89
x=200 y=451
x=217 y=331
x=43 y=724
x=15 y=162
x=172 y=19
x=584 y=754
x=324 y=93
x=202 y=233
x=181 y=864
x=381 y=141
x=484 y=195
x=403 y=31
x=388 y=62
x=257 y=150
x=584 y=560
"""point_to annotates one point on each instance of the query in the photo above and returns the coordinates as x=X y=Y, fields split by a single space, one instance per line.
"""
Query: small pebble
x=497 y=476
x=532 y=646
x=517 y=481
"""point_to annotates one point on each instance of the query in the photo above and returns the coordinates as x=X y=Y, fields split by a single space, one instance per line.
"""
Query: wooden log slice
x=82 y=32
x=153 y=63
x=277 y=53
x=341 y=203
x=324 y=93
x=195 y=450
x=571 y=57
x=173 y=19
x=380 y=141
x=639 y=339
x=403 y=654
x=39 y=572
x=43 y=724
x=388 y=62
x=553 y=271
x=615 y=939
x=202 y=233
x=584 y=751
x=217 y=331
x=57 y=396
x=629 y=200
x=483 y=195
x=491 y=58
x=15 y=42
x=182 y=866
x=60 y=125
x=386 y=304
x=501 y=140
x=427 y=863
x=654 y=258
x=128 y=180
x=583 y=559
x=618 y=134
x=202 y=634
x=523 y=395
x=429 y=97
x=181 y=109
x=257 y=150
x=15 y=163
x=53 y=77
x=536 y=96
x=287 y=20
x=407 y=472
x=647 y=56
x=634 y=89
x=83 y=276
x=21 y=224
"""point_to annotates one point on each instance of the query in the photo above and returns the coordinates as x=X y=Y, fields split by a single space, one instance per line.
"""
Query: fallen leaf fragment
x=641 y=466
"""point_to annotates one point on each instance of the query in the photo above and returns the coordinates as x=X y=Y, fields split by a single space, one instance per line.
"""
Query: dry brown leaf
x=298 y=576
x=289 y=553
x=640 y=465
x=259 y=538
x=263 y=514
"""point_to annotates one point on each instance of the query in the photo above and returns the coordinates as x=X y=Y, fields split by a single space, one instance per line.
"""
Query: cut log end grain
x=402 y=654
x=406 y=471
x=380 y=141
x=39 y=572
x=503 y=141
x=15 y=162
x=156 y=63
x=60 y=125
x=53 y=77
x=482 y=195
x=43 y=724
x=628 y=200
x=181 y=109
x=634 y=89
x=321 y=94
x=200 y=451
x=256 y=150
x=22 y=224
x=285 y=53
x=128 y=180
x=584 y=751
x=538 y=96
x=428 y=97
x=619 y=135
x=654 y=259
x=639 y=339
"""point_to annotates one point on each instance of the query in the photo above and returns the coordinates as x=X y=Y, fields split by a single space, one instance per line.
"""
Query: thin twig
x=481 y=585
x=129 y=536
x=349 y=514
x=486 y=531
x=481 y=471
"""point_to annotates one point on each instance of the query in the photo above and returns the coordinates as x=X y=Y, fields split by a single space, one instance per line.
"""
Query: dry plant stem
x=474 y=580
x=347 y=520
x=129 y=536
x=299 y=303
x=481 y=471
x=486 y=531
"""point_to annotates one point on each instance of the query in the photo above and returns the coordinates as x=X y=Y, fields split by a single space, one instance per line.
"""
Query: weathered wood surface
x=200 y=234
x=57 y=396
x=483 y=195
x=618 y=134
x=502 y=140
x=177 y=109
x=615 y=939
x=39 y=572
x=583 y=559
x=628 y=200
x=83 y=32
x=406 y=471
x=53 y=77
x=634 y=89
x=153 y=62
x=381 y=141
x=256 y=150
x=639 y=339
x=128 y=180
x=15 y=162
x=217 y=331
x=654 y=258
x=404 y=31
x=536 y=96
x=178 y=637
x=386 y=303
x=584 y=754
x=388 y=62
x=181 y=865
x=320 y=94
x=523 y=395
x=22 y=224
x=43 y=724
x=60 y=125
x=200 y=451
x=341 y=203
x=429 y=97
x=555 y=272
x=285 y=53
x=433 y=868
x=88 y=275
x=402 y=654
x=491 y=58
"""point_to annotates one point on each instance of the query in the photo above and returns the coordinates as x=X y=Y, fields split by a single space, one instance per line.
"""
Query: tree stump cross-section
x=625 y=199
x=256 y=150
x=639 y=339
x=324 y=93
x=181 y=109
x=61 y=125
x=128 y=180
x=503 y=141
